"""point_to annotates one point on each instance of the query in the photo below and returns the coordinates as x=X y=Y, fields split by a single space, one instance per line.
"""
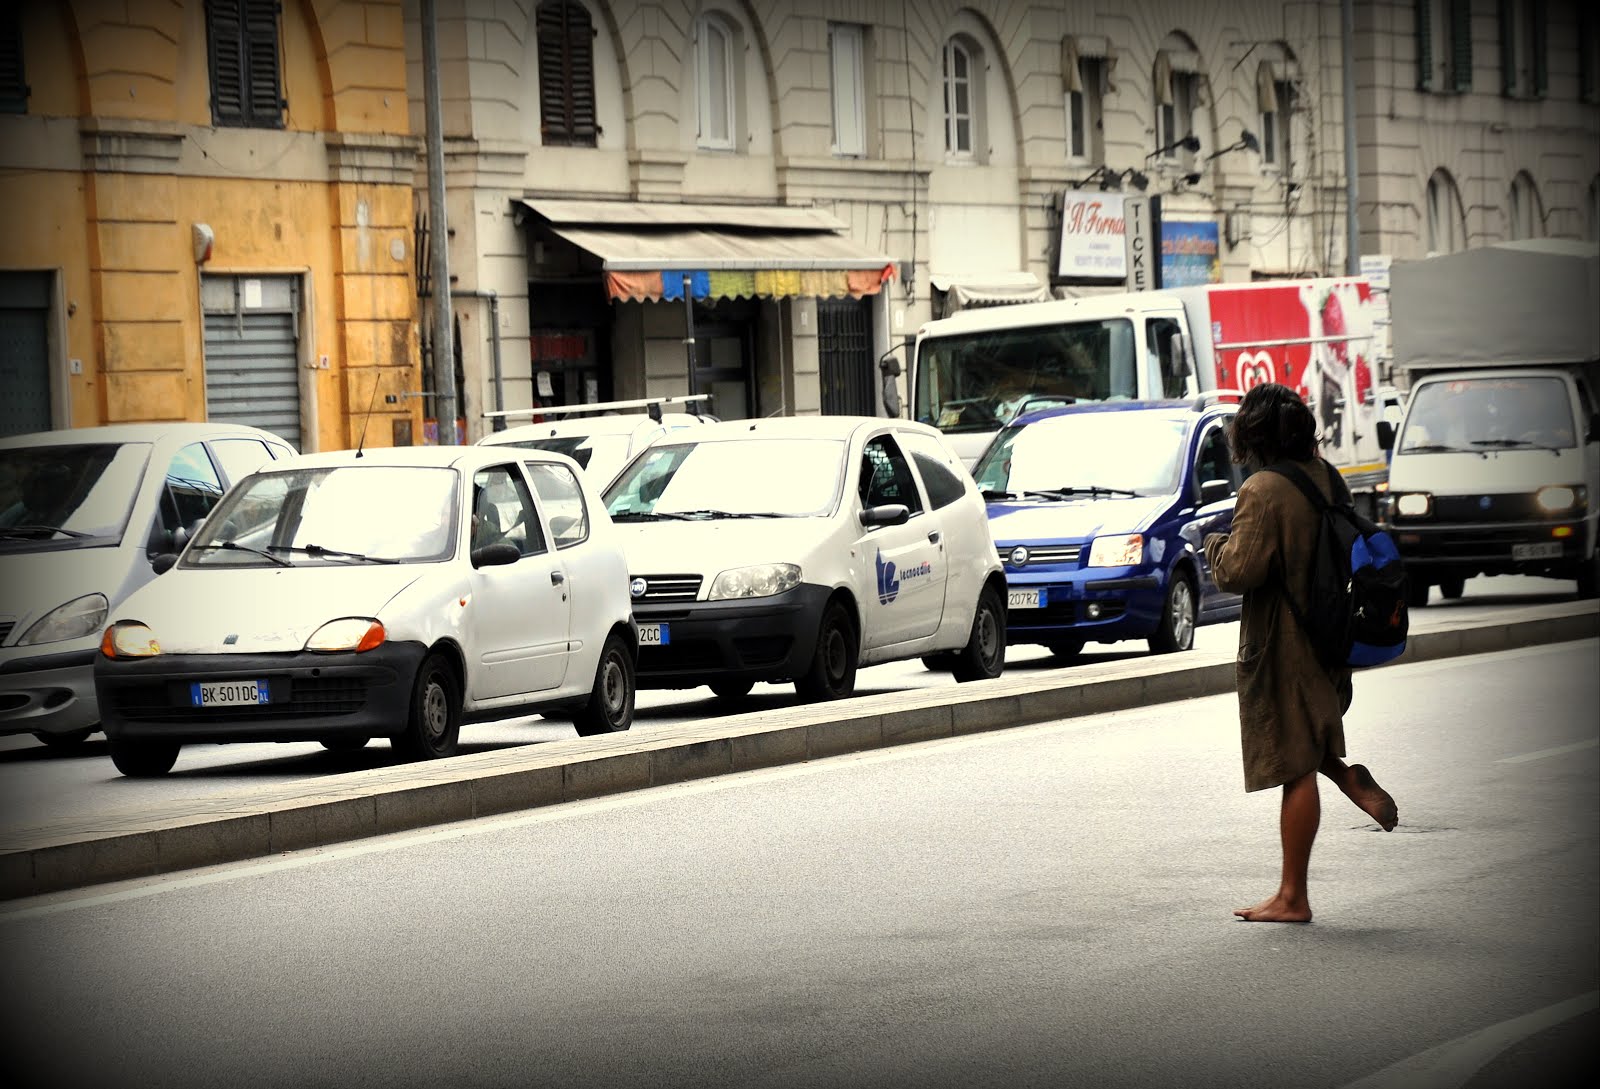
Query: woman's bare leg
x=1362 y=789
x=1298 y=820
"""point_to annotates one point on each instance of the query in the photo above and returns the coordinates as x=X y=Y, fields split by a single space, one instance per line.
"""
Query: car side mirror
x=496 y=555
x=1385 y=435
x=163 y=562
x=889 y=514
x=1215 y=491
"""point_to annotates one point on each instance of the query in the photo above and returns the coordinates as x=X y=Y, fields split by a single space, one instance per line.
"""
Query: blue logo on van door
x=888 y=585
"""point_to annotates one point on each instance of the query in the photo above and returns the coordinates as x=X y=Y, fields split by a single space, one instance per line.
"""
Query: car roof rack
x=652 y=405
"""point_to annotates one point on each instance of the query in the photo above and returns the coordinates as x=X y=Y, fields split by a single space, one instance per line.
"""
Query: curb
x=299 y=815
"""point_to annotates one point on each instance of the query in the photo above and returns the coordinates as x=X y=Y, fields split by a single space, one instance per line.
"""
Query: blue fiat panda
x=1098 y=512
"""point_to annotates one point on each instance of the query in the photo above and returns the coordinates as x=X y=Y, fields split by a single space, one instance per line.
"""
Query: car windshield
x=1476 y=414
x=792 y=478
x=1086 y=452
x=56 y=497
x=336 y=515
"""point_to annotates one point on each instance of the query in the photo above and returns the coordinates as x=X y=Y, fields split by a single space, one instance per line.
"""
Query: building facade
x=206 y=212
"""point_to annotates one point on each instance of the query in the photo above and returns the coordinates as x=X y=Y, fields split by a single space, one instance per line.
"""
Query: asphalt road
x=38 y=785
x=1042 y=906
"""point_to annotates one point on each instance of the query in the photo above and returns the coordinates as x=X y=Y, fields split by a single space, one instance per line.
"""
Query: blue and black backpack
x=1356 y=615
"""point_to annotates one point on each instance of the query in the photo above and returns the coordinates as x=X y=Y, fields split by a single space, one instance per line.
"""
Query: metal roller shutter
x=252 y=352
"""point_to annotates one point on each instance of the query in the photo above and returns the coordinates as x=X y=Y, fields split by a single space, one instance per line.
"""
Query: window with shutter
x=13 y=84
x=566 y=74
x=1461 y=44
x=1424 y=9
x=1588 y=54
x=246 y=72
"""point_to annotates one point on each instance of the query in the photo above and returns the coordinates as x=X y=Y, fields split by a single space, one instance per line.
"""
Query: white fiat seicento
x=798 y=549
x=393 y=593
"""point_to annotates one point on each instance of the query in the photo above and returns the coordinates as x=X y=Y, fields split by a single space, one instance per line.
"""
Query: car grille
x=670 y=587
x=1041 y=554
x=310 y=696
x=1057 y=613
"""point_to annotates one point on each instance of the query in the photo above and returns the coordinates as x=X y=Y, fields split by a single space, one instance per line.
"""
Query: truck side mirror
x=1385 y=435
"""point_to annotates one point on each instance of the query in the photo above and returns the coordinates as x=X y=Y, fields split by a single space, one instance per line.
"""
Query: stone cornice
x=373 y=158
x=130 y=146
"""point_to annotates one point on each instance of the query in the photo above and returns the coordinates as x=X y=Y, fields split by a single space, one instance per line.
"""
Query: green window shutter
x=13 y=84
x=1508 y=47
x=263 y=78
x=225 y=46
x=1461 y=44
x=1424 y=46
x=1541 y=47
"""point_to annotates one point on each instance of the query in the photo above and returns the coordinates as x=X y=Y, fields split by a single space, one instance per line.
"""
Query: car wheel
x=1176 y=629
x=434 y=724
x=732 y=690
x=1416 y=593
x=610 y=706
x=939 y=663
x=345 y=744
x=71 y=739
x=832 y=675
x=1450 y=589
x=984 y=656
x=1067 y=650
x=144 y=759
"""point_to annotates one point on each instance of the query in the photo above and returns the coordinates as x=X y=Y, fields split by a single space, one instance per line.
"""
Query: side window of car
x=1166 y=365
x=240 y=457
x=502 y=510
x=942 y=475
x=562 y=498
x=886 y=477
x=191 y=489
x=1212 y=462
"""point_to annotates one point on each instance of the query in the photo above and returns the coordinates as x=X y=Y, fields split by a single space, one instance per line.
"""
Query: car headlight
x=357 y=633
x=79 y=617
x=1413 y=504
x=1117 y=551
x=762 y=580
x=1557 y=497
x=129 y=639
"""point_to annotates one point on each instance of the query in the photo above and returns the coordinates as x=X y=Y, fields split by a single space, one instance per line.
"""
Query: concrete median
x=274 y=819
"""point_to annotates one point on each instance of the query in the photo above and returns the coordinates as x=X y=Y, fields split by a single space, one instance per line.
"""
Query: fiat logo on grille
x=637 y=587
x=1019 y=556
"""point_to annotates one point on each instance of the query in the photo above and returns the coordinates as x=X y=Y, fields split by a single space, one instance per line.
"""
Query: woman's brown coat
x=1291 y=706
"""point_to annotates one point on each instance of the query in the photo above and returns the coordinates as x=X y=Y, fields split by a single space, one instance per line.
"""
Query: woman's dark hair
x=1272 y=424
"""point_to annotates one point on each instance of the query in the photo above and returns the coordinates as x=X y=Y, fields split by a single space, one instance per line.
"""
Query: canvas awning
x=989 y=289
x=726 y=251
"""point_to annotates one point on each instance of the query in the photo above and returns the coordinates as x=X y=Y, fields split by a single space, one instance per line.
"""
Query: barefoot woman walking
x=1291 y=706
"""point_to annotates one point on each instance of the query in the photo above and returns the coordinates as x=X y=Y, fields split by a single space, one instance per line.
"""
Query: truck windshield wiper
x=235 y=546
x=1514 y=444
x=1438 y=448
x=318 y=550
x=1089 y=489
x=31 y=530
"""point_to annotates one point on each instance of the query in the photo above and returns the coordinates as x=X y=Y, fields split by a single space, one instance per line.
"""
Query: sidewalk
x=286 y=817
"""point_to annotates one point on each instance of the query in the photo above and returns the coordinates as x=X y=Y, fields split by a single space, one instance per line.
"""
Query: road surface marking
x=1559 y=750
x=1452 y=1064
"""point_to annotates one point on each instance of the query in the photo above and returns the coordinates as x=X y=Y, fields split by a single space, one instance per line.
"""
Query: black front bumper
x=1488 y=547
x=311 y=696
x=755 y=639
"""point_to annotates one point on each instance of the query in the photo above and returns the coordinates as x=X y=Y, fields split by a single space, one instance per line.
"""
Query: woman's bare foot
x=1374 y=801
x=1278 y=909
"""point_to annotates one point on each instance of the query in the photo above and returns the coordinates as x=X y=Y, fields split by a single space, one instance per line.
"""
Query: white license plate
x=654 y=635
x=1026 y=599
x=1550 y=551
x=227 y=693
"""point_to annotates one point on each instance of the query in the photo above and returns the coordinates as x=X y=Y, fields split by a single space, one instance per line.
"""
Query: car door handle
x=933 y=538
x=557 y=578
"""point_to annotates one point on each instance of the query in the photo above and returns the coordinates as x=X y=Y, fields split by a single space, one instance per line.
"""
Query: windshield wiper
x=1513 y=444
x=1090 y=489
x=712 y=514
x=643 y=516
x=235 y=546
x=990 y=495
x=34 y=530
x=318 y=550
x=1439 y=448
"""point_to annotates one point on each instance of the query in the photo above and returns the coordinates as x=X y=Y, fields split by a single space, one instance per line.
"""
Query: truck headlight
x=1559 y=497
x=79 y=617
x=1413 y=504
x=357 y=633
x=761 y=580
x=129 y=639
x=1117 y=551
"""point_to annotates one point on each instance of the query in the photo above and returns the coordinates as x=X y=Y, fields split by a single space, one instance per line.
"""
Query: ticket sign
x=1140 y=215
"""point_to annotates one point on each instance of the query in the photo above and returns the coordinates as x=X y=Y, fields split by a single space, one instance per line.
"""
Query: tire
x=345 y=744
x=144 y=759
x=832 y=675
x=1067 y=650
x=1452 y=588
x=732 y=690
x=433 y=726
x=1416 y=593
x=938 y=663
x=71 y=739
x=984 y=656
x=1175 y=632
x=610 y=706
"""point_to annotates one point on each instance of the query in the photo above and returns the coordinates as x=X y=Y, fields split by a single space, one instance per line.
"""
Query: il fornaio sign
x=1093 y=239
